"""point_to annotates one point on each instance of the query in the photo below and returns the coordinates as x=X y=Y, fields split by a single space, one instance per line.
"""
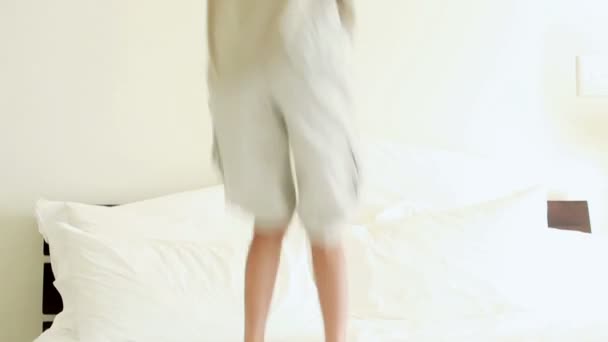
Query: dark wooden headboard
x=568 y=215
x=51 y=300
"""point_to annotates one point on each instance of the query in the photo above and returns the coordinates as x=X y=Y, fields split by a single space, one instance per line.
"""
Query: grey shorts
x=290 y=119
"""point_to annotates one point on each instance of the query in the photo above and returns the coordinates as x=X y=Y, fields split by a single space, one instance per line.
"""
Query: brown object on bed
x=569 y=215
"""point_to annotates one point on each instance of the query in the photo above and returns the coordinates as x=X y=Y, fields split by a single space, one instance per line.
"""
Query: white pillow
x=424 y=179
x=152 y=290
x=128 y=288
x=191 y=215
x=442 y=265
x=204 y=209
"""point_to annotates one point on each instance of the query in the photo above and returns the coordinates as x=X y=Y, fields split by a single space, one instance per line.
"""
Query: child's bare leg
x=330 y=276
x=260 y=276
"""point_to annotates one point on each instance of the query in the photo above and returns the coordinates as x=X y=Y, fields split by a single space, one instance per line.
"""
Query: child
x=279 y=82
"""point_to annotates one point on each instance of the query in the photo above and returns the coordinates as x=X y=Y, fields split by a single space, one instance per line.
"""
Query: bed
x=459 y=257
x=565 y=215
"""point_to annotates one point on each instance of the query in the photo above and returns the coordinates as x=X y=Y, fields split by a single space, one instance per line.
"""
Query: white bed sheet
x=569 y=260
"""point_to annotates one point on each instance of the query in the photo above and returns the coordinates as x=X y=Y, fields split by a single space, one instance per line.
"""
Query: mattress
x=513 y=328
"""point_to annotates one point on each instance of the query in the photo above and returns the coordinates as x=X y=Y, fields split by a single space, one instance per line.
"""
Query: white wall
x=491 y=77
x=100 y=101
x=105 y=102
